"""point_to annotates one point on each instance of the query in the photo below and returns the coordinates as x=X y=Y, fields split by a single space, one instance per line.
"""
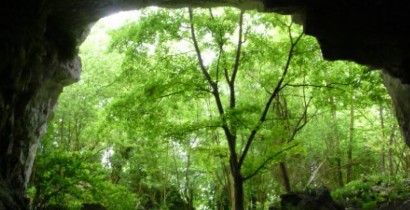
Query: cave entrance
x=109 y=137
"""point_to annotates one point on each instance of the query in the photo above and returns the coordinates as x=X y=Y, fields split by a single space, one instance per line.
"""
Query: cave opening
x=40 y=38
x=80 y=130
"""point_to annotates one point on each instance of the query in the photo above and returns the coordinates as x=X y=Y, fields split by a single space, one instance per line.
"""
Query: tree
x=225 y=77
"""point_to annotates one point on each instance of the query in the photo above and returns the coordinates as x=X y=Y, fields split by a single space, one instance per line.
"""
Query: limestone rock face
x=400 y=95
x=33 y=73
x=38 y=57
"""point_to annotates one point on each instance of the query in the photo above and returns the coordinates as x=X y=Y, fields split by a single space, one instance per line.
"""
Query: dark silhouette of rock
x=93 y=206
x=399 y=205
x=313 y=199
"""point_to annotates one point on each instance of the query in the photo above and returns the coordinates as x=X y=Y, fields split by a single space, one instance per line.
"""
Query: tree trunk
x=390 y=157
x=349 y=173
x=238 y=198
x=229 y=189
x=339 y=173
x=383 y=157
x=238 y=193
x=189 y=192
x=191 y=199
x=165 y=184
x=285 y=176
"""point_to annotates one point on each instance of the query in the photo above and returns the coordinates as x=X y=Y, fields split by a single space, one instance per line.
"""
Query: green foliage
x=72 y=178
x=372 y=191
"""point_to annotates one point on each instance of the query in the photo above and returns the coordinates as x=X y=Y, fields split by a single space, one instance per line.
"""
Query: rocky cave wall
x=40 y=38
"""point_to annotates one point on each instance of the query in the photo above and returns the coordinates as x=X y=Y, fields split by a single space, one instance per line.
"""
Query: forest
x=217 y=109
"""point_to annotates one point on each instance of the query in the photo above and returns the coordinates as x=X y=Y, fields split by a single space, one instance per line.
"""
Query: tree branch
x=237 y=62
x=330 y=85
x=220 y=45
x=205 y=72
x=214 y=86
x=171 y=94
x=272 y=96
x=301 y=122
x=198 y=52
x=267 y=161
